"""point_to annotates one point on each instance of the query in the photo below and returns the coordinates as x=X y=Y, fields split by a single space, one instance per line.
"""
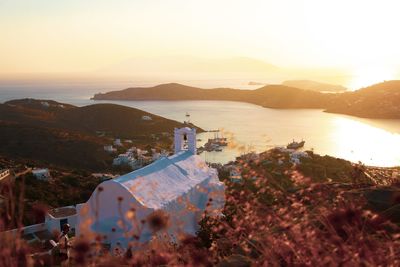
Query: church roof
x=166 y=179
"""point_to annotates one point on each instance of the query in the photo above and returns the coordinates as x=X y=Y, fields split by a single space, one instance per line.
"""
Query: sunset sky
x=356 y=37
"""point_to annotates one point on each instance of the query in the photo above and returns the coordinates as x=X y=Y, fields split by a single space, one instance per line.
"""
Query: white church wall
x=180 y=185
x=113 y=201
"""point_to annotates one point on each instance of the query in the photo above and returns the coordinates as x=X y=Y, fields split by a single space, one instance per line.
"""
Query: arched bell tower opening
x=185 y=139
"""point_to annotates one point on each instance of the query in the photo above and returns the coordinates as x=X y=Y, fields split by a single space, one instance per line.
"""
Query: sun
x=368 y=75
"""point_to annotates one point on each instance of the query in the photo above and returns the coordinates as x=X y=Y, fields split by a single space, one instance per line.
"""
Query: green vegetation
x=327 y=168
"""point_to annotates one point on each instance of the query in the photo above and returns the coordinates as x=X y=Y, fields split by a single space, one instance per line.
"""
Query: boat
x=200 y=150
x=295 y=145
x=211 y=146
x=221 y=141
x=216 y=143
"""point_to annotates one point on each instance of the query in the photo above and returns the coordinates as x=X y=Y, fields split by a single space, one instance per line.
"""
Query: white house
x=54 y=221
x=180 y=185
x=295 y=156
x=146 y=118
x=41 y=174
x=123 y=159
x=45 y=104
x=117 y=142
x=104 y=176
x=110 y=149
x=4 y=174
x=127 y=159
x=235 y=175
x=56 y=218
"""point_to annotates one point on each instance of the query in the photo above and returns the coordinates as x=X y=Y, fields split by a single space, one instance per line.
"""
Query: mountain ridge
x=315 y=86
x=375 y=101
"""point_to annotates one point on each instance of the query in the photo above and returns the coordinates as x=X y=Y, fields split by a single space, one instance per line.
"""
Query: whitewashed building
x=4 y=174
x=110 y=149
x=146 y=118
x=296 y=156
x=127 y=159
x=41 y=174
x=117 y=142
x=180 y=185
x=56 y=218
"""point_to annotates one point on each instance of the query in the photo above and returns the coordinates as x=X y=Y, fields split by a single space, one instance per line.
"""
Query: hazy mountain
x=185 y=67
x=315 y=86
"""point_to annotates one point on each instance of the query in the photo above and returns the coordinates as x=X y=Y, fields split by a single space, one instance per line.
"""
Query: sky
x=351 y=37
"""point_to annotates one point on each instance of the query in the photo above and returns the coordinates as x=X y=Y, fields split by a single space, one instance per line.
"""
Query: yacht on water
x=216 y=143
x=295 y=145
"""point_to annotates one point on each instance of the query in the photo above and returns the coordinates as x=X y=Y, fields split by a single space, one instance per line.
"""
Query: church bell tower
x=185 y=139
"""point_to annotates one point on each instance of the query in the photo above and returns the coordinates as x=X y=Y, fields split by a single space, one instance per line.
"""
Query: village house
x=4 y=175
x=54 y=220
x=295 y=156
x=146 y=118
x=156 y=155
x=110 y=149
x=41 y=174
x=128 y=159
x=117 y=142
x=45 y=104
x=235 y=175
x=104 y=176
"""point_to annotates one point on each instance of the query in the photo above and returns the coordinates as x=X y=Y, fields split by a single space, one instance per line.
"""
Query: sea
x=248 y=127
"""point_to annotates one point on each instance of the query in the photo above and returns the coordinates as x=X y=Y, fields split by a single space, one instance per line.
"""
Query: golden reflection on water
x=374 y=142
x=358 y=141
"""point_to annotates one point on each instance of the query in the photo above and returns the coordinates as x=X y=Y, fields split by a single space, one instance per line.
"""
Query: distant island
x=52 y=133
x=377 y=101
x=315 y=86
x=308 y=85
x=256 y=83
x=272 y=96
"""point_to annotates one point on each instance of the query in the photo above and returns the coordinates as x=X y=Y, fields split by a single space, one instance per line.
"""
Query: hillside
x=376 y=101
x=315 y=86
x=172 y=91
x=48 y=132
x=272 y=96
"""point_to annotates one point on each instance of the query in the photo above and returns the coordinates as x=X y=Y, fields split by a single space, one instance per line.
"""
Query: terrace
x=62 y=212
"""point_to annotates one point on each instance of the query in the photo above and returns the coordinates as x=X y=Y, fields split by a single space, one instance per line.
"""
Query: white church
x=181 y=185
